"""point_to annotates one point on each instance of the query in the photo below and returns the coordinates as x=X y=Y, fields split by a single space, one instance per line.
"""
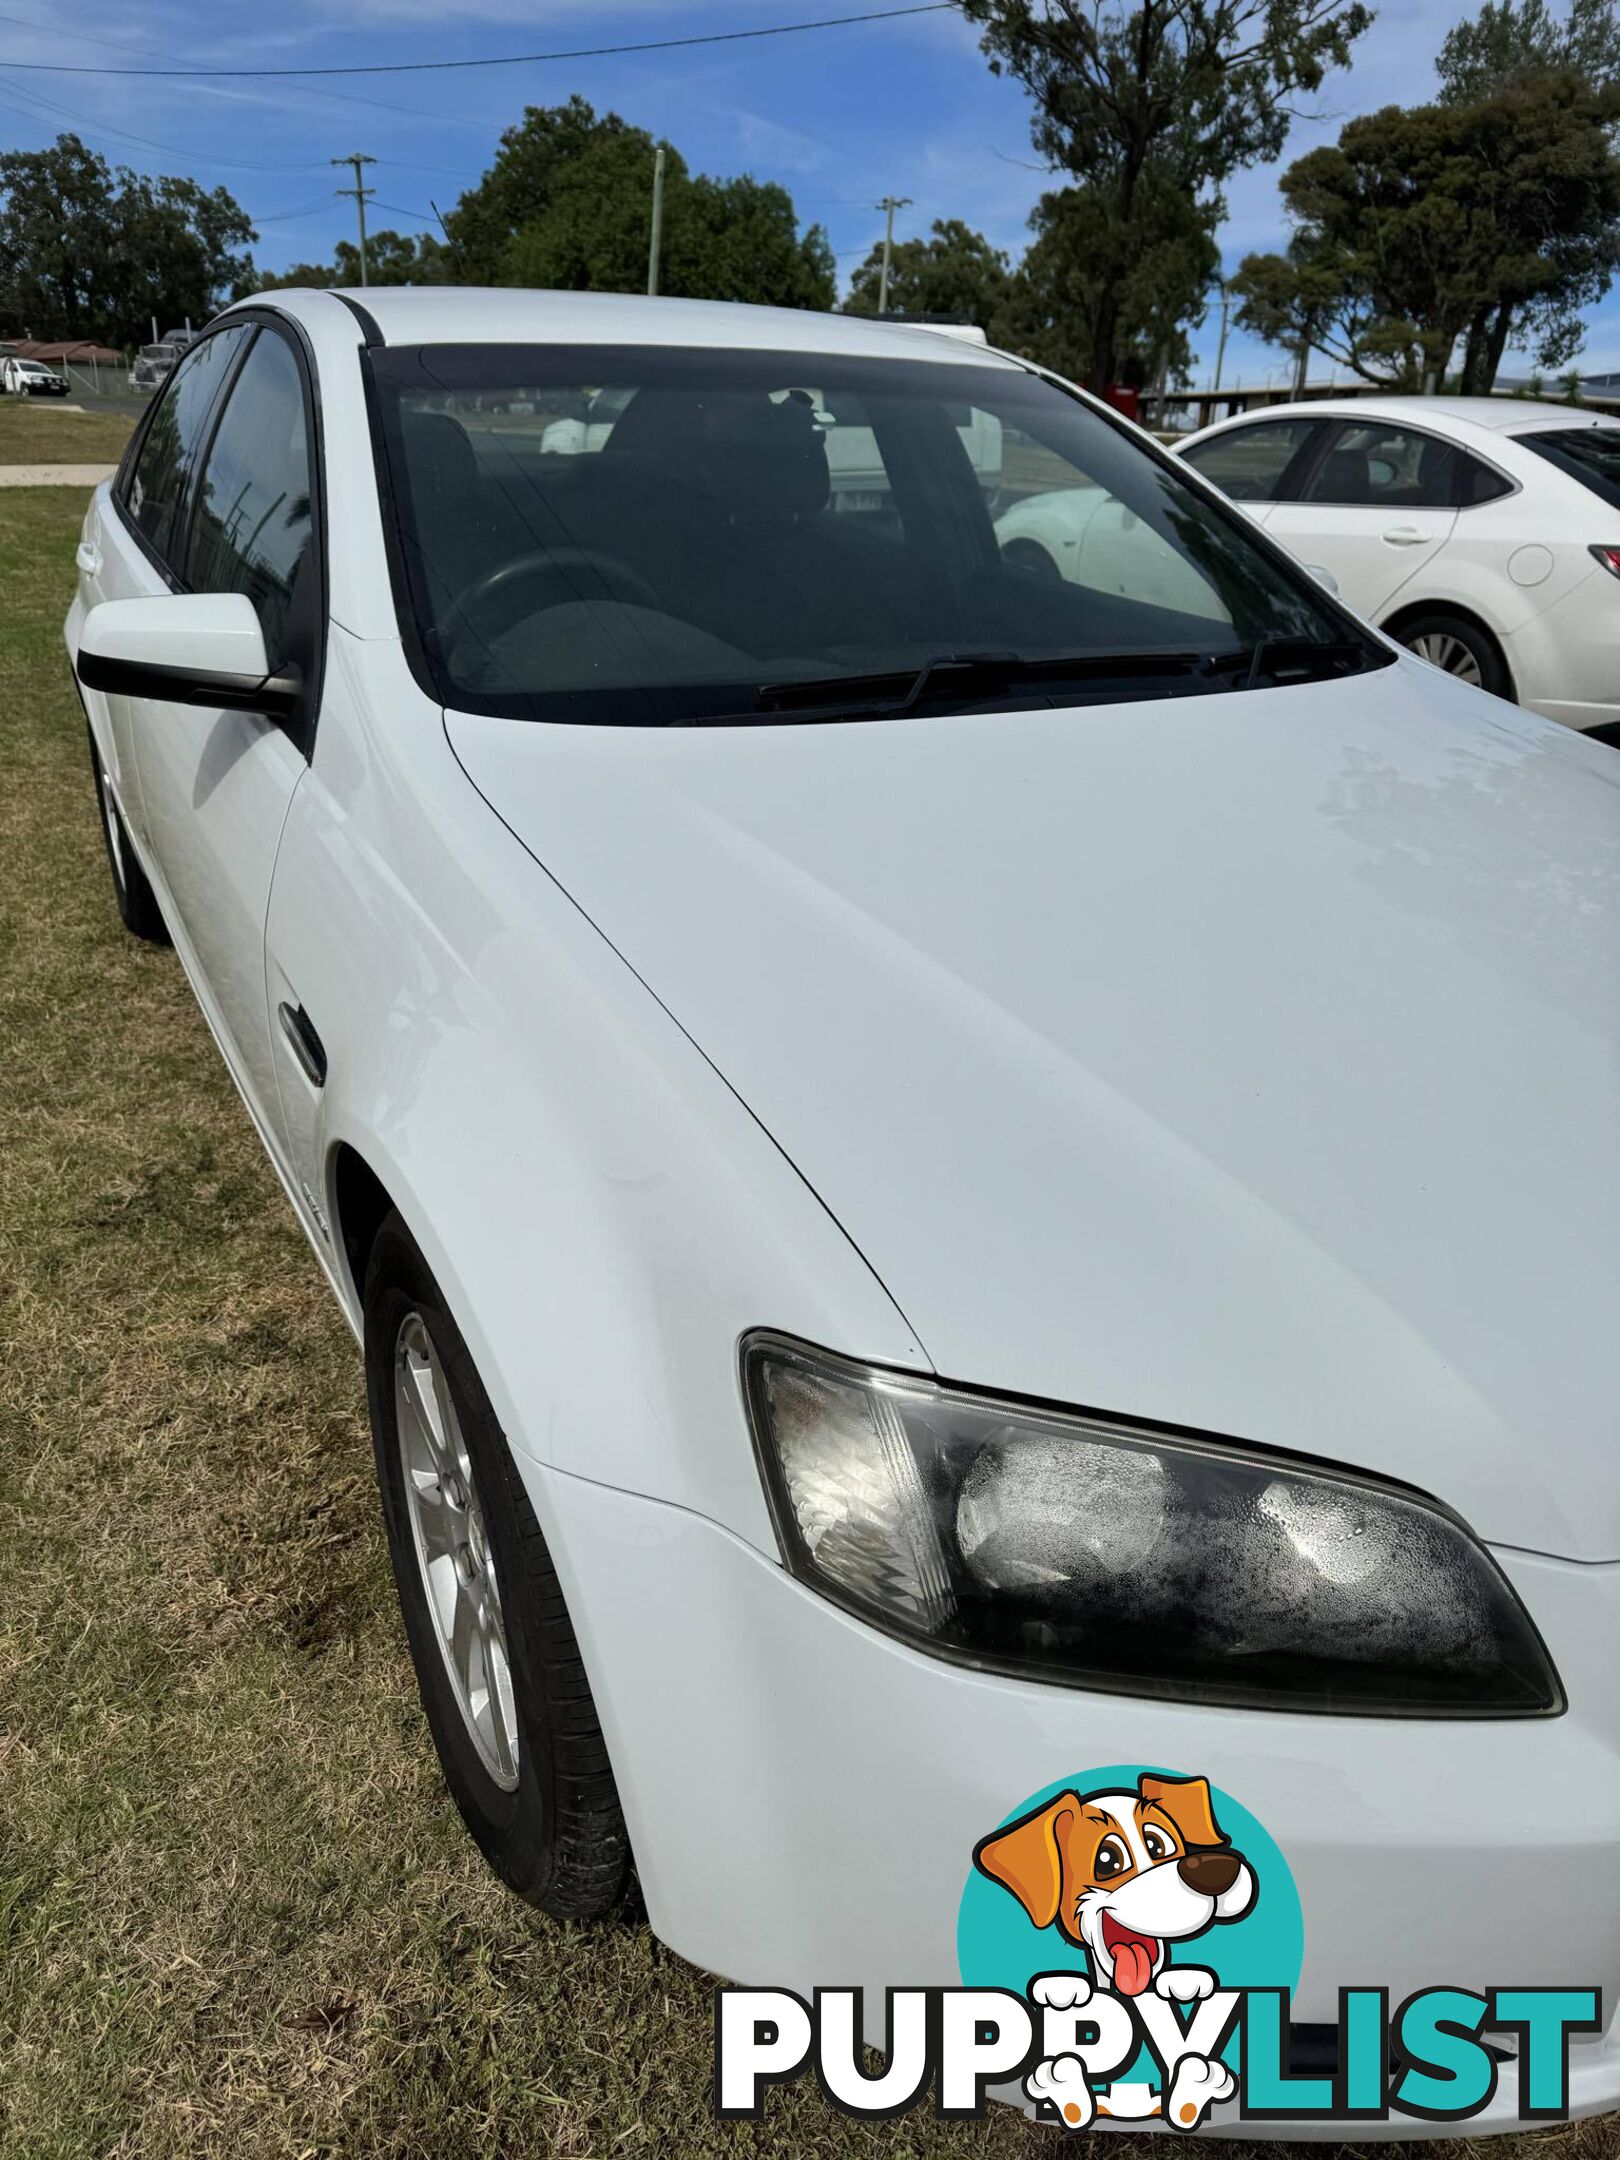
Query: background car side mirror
x=187 y=649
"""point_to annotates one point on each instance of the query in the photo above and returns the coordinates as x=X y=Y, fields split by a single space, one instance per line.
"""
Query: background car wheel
x=497 y=1664
x=1030 y=557
x=1459 y=647
x=137 y=903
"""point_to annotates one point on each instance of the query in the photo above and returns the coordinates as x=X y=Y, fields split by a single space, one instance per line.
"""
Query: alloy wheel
x=1449 y=653
x=452 y=1550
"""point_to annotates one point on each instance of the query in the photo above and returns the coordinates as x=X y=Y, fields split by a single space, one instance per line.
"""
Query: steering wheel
x=492 y=601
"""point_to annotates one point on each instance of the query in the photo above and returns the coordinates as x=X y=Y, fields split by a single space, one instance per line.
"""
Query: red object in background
x=1124 y=400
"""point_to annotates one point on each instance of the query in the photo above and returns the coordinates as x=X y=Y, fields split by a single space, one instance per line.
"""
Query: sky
x=841 y=117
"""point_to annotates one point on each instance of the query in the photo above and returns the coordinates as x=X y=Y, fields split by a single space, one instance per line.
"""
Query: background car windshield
x=1590 y=455
x=644 y=535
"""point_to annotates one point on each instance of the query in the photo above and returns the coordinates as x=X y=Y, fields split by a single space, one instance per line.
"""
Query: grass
x=36 y=431
x=238 y=1914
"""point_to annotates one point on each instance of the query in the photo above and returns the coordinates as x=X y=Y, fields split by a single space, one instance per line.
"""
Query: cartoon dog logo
x=1123 y=1874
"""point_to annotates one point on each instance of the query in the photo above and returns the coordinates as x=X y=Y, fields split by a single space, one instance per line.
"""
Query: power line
x=436 y=67
x=337 y=97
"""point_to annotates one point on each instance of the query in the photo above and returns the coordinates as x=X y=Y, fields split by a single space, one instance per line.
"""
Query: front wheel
x=497 y=1664
x=1459 y=646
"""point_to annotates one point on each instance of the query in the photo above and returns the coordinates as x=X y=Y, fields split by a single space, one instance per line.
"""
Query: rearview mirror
x=186 y=649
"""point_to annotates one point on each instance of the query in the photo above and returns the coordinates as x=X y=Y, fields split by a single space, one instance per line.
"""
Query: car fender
x=605 y=1217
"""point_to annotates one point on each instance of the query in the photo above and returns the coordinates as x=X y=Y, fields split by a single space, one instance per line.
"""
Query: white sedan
x=945 y=1175
x=1483 y=533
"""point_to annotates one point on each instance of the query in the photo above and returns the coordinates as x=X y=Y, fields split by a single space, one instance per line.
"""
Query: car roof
x=1460 y=416
x=506 y=315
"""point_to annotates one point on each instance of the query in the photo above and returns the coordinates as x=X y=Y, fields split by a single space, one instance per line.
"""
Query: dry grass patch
x=37 y=431
x=238 y=1914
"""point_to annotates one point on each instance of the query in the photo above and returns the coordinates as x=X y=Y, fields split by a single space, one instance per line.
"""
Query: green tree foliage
x=1443 y=224
x=1509 y=39
x=567 y=204
x=1073 y=276
x=89 y=251
x=955 y=272
x=391 y=259
x=1149 y=110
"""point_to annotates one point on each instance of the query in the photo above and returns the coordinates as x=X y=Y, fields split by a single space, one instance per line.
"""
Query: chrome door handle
x=88 y=557
x=305 y=1044
x=1405 y=536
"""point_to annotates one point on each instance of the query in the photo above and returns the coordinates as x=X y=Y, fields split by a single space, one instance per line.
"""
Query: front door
x=216 y=786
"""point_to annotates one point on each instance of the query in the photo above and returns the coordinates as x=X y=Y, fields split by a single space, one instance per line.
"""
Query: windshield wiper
x=896 y=692
x=1299 y=659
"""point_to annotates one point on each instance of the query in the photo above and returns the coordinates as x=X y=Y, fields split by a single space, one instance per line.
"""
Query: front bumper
x=804 y=1795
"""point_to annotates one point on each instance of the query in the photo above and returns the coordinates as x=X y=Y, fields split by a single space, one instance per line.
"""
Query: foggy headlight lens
x=1070 y=1549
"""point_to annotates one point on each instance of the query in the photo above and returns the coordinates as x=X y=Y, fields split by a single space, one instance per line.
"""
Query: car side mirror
x=185 y=649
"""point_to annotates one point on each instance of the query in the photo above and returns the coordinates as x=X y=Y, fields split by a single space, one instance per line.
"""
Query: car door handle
x=305 y=1044
x=88 y=557
x=1406 y=536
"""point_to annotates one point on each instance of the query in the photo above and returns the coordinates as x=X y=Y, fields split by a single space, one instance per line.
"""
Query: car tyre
x=1459 y=646
x=138 y=909
x=521 y=1750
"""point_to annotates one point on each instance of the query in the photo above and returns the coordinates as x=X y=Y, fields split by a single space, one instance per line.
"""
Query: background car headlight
x=1076 y=1550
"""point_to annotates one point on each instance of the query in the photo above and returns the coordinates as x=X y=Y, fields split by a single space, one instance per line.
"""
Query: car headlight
x=1073 y=1549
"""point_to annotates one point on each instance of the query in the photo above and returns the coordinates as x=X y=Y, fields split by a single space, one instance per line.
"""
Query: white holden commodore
x=943 y=1173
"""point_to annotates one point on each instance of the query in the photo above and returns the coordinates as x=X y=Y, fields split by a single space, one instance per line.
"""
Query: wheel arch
x=1395 y=625
x=361 y=1203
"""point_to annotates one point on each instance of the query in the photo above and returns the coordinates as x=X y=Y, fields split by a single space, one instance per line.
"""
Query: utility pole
x=656 y=238
x=1226 y=316
x=890 y=204
x=362 y=195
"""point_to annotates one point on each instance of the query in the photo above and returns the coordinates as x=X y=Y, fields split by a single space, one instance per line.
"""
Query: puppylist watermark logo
x=1128 y=1941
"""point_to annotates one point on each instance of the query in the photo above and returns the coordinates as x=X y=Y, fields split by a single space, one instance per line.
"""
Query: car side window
x=1372 y=465
x=1478 y=482
x=1250 y=464
x=253 y=522
x=155 y=492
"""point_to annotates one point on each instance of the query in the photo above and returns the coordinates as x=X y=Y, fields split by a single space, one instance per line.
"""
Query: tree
x=1437 y=224
x=87 y=251
x=391 y=259
x=1071 y=277
x=955 y=272
x=568 y=205
x=1150 y=110
x=1509 y=39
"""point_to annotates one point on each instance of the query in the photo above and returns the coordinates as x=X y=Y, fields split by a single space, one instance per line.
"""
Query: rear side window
x=1589 y=455
x=252 y=525
x=1478 y=482
x=1375 y=466
x=168 y=452
x=1250 y=464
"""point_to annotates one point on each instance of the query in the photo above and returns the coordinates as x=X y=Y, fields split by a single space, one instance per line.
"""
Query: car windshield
x=1590 y=455
x=649 y=535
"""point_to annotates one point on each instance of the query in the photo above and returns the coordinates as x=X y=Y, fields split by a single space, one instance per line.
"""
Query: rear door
x=1378 y=503
x=217 y=785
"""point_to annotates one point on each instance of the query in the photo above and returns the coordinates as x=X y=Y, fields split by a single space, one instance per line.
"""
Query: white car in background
x=1483 y=533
